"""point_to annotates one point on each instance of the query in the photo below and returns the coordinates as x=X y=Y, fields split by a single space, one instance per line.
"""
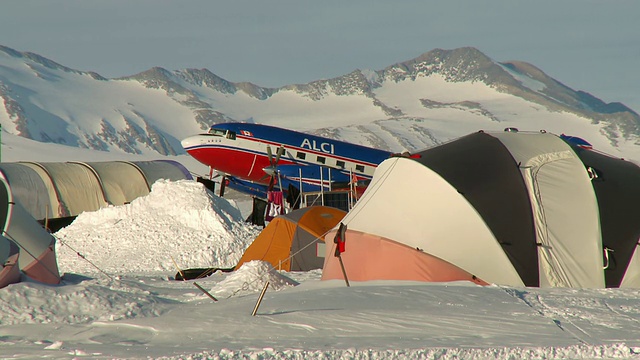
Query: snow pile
x=78 y=300
x=178 y=224
x=251 y=278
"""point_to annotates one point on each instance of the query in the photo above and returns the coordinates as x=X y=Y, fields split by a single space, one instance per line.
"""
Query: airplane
x=244 y=154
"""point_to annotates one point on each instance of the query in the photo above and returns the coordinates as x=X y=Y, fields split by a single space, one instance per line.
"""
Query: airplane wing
x=247 y=187
x=310 y=178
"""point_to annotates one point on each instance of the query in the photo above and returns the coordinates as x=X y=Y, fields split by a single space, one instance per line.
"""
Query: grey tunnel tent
x=34 y=193
x=59 y=190
x=509 y=208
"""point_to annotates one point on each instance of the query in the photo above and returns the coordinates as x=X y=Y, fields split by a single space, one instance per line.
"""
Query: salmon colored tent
x=290 y=241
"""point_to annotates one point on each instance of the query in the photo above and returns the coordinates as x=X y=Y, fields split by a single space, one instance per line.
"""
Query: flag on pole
x=340 y=240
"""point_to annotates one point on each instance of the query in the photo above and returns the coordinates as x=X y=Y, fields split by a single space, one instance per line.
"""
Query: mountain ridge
x=152 y=110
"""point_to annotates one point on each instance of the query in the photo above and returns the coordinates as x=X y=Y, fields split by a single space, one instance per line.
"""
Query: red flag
x=340 y=239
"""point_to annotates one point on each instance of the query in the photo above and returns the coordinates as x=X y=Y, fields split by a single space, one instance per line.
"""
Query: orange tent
x=290 y=241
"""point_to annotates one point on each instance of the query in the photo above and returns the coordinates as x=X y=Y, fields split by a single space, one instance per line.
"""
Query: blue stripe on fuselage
x=307 y=142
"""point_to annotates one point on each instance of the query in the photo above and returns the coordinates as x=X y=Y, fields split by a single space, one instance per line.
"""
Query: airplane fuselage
x=240 y=150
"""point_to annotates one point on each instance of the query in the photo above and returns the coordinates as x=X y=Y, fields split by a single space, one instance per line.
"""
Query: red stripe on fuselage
x=235 y=162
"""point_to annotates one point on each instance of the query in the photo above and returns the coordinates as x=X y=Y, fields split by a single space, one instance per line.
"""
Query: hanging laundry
x=275 y=206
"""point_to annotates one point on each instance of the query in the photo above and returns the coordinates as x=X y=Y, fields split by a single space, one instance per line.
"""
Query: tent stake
x=264 y=290
x=205 y=291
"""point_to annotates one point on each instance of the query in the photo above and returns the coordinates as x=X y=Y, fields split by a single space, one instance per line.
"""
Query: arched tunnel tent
x=28 y=187
x=122 y=181
x=57 y=192
x=162 y=169
x=78 y=187
x=57 y=209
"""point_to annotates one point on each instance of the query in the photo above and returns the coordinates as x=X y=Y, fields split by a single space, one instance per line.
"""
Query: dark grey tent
x=617 y=186
x=512 y=208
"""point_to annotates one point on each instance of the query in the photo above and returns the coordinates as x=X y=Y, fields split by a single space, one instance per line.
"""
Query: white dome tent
x=511 y=208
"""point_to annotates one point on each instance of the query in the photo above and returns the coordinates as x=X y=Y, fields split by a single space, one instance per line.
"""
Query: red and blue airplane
x=254 y=157
x=243 y=153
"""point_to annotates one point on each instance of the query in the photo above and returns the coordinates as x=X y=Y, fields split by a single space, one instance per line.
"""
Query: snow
x=55 y=102
x=119 y=300
x=68 y=106
x=211 y=232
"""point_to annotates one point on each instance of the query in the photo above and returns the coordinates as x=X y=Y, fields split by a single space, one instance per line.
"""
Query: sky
x=586 y=44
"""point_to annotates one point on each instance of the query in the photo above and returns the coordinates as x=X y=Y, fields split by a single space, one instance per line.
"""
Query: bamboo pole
x=264 y=289
x=194 y=283
x=205 y=291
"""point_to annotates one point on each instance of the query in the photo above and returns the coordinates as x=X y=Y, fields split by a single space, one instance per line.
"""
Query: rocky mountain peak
x=203 y=98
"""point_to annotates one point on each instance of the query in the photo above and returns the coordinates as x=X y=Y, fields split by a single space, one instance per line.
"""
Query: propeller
x=271 y=171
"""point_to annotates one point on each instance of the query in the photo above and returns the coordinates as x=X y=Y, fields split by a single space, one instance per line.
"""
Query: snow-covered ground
x=118 y=300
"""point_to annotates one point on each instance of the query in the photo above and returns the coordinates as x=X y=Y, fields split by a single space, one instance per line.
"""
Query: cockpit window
x=231 y=135
x=217 y=132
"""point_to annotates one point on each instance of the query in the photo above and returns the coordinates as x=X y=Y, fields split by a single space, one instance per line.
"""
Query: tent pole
x=321 y=188
x=303 y=199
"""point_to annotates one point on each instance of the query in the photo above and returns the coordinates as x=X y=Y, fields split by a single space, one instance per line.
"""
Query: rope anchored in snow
x=84 y=258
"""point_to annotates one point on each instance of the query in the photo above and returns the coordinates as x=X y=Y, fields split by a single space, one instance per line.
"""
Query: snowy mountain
x=438 y=96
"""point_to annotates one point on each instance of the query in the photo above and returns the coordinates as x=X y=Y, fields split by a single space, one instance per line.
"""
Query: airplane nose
x=189 y=142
